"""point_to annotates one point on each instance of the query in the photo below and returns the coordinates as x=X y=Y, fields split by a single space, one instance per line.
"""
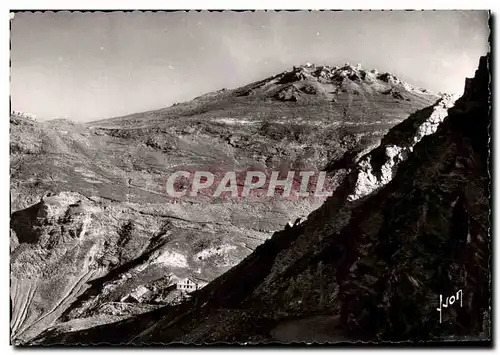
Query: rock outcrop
x=22 y=114
x=396 y=146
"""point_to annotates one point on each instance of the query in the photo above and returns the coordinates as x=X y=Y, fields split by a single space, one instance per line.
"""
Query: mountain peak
x=326 y=74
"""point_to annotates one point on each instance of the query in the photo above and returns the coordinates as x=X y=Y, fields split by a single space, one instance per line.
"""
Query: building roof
x=194 y=280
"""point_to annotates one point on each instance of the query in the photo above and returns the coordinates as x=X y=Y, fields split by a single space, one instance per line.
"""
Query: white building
x=190 y=284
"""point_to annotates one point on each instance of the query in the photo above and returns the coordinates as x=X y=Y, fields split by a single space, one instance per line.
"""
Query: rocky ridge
x=397 y=145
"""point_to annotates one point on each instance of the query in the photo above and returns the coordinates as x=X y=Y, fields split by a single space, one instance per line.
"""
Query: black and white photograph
x=200 y=178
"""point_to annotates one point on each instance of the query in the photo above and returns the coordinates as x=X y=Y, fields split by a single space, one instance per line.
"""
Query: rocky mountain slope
x=91 y=222
x=365 y=268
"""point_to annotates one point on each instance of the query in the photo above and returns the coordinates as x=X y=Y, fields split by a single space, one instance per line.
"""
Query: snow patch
x=233 y=121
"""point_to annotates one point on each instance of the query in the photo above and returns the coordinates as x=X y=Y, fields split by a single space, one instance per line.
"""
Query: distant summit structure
x=28 y=115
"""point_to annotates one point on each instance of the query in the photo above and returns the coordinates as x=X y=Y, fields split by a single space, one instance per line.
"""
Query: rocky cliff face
x=370 y=268
x=427 y=234
x=377 y=168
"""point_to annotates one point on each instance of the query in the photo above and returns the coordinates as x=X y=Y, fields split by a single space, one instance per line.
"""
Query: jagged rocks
x=395 y=94
x=393 y=150
x=309 y=89
x=387 y=84
x=368 y=180
x=295 y=75
x=289 y=94
x=439 y=113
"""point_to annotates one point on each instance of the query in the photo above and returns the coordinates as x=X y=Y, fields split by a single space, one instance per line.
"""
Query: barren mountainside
x=92 y=226
x=364 y=268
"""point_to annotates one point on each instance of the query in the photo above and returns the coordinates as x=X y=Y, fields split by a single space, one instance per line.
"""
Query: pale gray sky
x=90 y=66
